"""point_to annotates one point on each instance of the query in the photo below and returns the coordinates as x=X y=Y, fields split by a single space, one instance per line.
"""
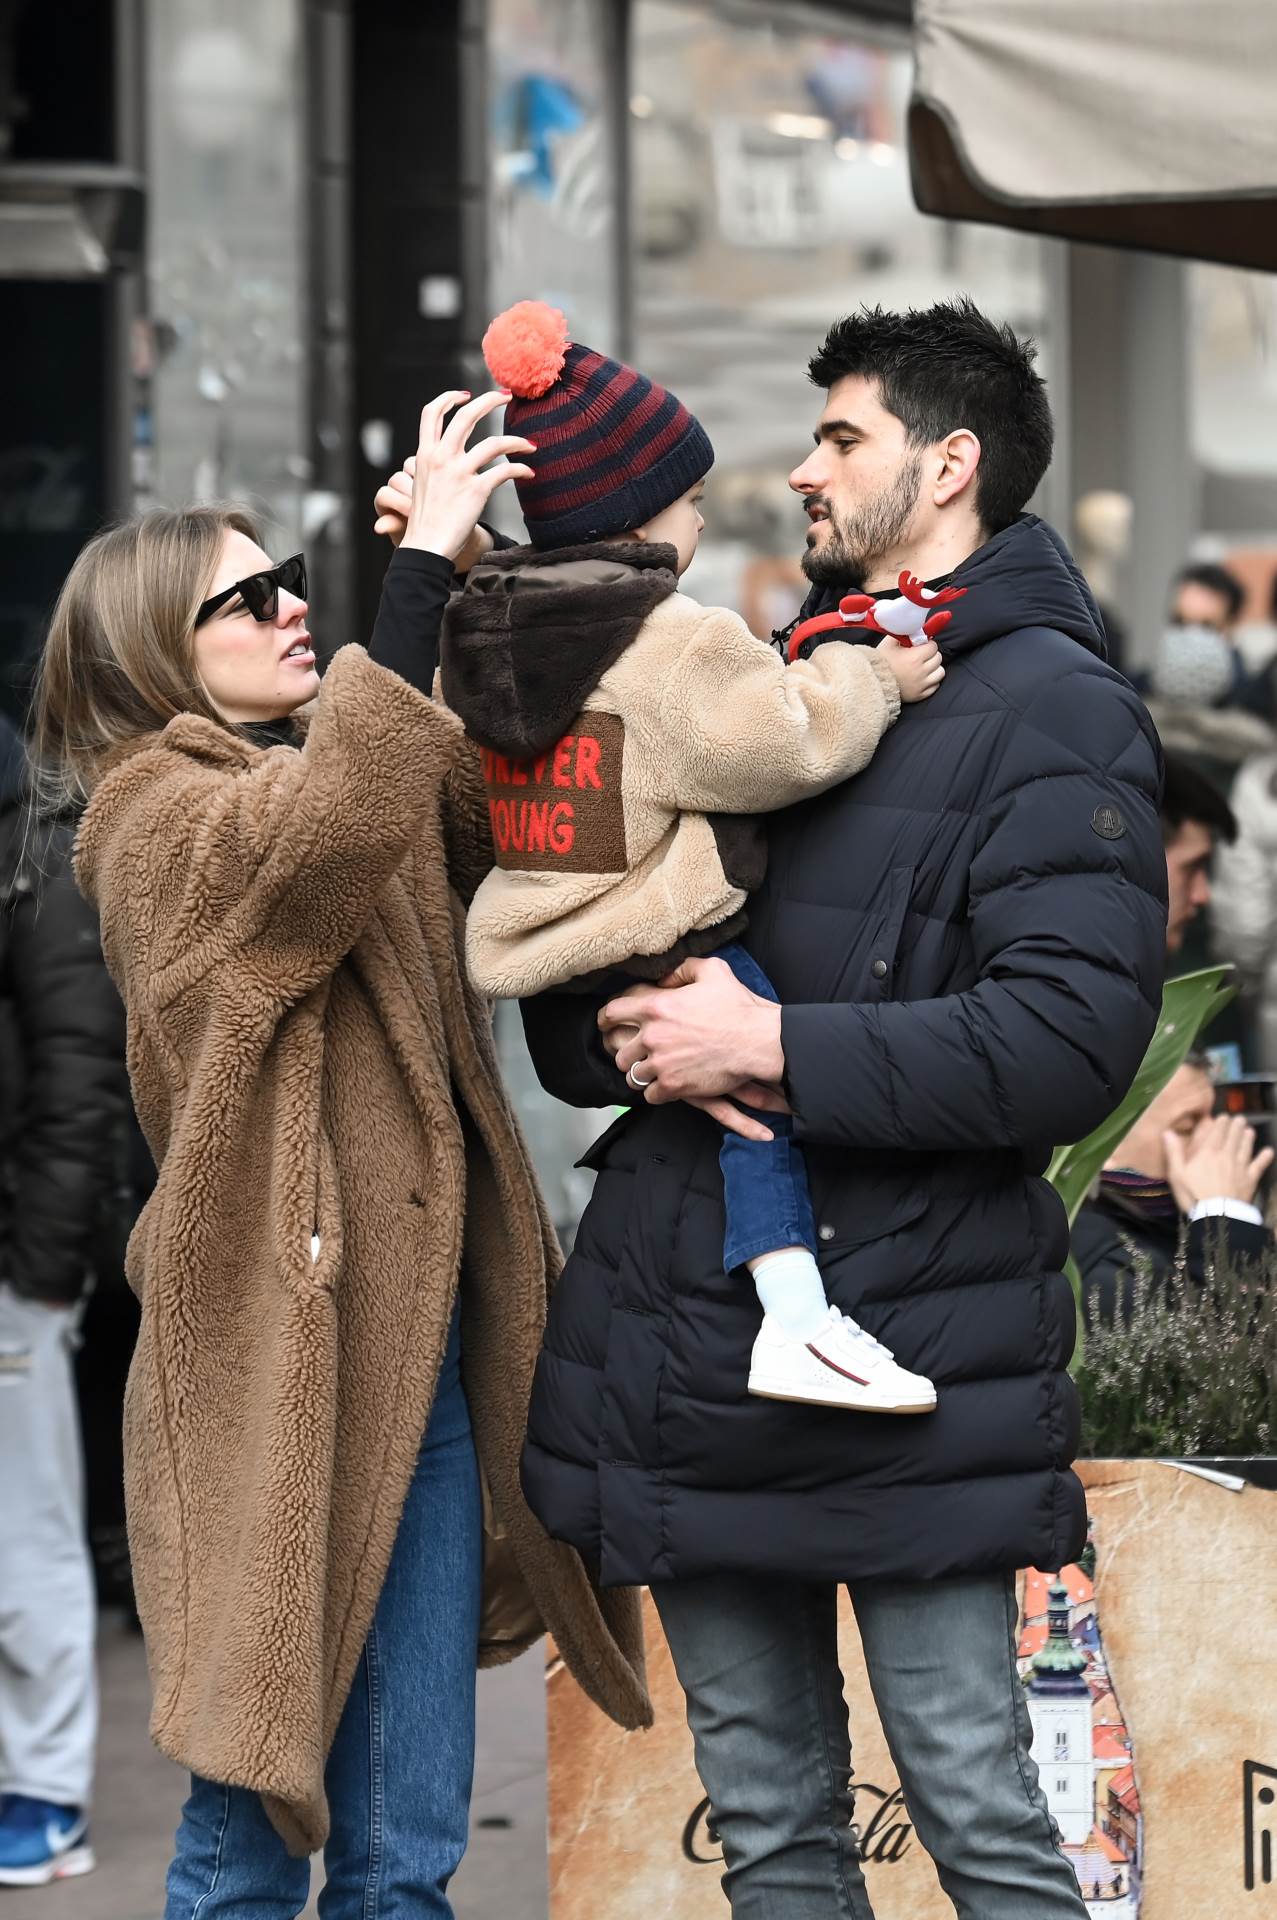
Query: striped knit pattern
x=613 y=451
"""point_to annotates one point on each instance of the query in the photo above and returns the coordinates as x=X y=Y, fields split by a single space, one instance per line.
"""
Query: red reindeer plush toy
x=919 y=614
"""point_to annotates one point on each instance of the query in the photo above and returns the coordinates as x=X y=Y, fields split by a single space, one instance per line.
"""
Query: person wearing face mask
x=343 y=1267
x=1207 y=704
x=1182 y=1169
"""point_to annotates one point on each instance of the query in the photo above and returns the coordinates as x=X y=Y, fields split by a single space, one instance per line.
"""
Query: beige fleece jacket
x=603 y=843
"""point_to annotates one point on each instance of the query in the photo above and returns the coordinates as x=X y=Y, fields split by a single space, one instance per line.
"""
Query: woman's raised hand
x=435 y=500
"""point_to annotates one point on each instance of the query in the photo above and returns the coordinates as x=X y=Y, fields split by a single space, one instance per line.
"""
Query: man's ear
x=959 y=456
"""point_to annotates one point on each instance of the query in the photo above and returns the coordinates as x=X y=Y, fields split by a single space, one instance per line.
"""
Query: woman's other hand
x=434 y=501
x=392 y=502
x=1217 y=1162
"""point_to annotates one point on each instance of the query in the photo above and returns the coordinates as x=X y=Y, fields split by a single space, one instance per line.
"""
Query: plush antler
x=913 y=589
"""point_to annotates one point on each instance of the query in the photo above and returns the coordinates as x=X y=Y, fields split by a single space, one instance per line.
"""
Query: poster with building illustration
x=1149 y=1677
x=1080 y=1739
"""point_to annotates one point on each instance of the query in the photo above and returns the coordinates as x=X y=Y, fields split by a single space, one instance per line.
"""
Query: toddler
x=624 y=730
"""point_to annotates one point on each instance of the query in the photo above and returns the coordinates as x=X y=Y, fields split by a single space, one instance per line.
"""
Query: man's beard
x=853 y=547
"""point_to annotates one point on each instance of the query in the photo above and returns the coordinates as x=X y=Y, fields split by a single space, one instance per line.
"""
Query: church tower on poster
x=1059 y=1701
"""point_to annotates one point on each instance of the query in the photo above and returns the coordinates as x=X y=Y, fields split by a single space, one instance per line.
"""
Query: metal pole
x=125 y=292
x=618 y=63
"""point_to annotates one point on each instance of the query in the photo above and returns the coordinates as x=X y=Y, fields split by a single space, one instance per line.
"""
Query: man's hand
x=700 y=1037
x=1218 y=1162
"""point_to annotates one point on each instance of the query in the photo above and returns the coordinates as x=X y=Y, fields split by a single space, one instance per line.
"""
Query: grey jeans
x=758 y=1661
x=48 y=1687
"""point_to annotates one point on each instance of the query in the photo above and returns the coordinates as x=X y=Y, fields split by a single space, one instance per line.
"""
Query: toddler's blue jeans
x=765 y=1188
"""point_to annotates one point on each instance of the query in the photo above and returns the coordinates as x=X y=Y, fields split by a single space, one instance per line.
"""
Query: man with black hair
x=968 y=942
x=1195 y=818
x=906 y=379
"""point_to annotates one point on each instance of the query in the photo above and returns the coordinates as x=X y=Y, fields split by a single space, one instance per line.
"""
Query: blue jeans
x=758 y=1661
x=765 y=1191
x=399 y=1774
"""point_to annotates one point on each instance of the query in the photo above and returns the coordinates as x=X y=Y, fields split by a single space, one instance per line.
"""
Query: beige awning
x=1136 y=123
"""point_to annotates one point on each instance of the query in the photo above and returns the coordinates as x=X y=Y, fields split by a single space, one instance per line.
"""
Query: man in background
x=1195 y=819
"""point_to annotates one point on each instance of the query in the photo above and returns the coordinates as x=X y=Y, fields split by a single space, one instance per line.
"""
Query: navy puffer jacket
x=968 y=943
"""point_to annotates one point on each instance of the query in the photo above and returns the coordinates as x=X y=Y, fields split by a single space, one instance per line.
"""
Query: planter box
x=1175 y=1645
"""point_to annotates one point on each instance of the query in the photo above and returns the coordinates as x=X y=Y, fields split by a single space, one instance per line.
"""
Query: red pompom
x=525 y=348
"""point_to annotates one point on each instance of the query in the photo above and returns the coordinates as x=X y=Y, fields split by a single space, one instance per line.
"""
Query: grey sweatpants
x=48 y=1686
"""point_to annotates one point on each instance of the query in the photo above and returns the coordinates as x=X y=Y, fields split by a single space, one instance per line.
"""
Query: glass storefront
x=553 y=189
x=771 y=195
x=221 y=358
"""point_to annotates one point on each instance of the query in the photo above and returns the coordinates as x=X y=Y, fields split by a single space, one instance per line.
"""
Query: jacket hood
x=1024 y=576
x=531 y=634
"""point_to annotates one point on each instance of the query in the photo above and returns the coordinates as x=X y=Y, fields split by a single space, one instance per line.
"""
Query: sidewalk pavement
x=139 y=1794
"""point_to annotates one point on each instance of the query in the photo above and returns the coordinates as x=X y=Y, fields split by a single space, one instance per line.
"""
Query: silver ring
x=635 y=1082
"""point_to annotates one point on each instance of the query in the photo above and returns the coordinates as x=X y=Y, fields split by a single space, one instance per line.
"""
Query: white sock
x=792 y=1291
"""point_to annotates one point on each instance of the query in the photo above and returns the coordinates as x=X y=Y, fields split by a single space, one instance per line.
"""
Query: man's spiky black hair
x=946 y=367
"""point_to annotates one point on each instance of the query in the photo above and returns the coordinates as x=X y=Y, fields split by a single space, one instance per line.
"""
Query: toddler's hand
x=918 y=669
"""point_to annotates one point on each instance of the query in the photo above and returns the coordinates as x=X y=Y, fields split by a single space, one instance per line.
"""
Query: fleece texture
x=615 y=716
x=307 y=1057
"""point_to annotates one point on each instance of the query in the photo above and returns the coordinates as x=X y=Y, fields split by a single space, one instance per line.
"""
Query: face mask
x=1193 y=668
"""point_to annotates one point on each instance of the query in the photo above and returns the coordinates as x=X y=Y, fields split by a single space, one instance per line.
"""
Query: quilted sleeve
x=562 y=1032
x=1067 y=909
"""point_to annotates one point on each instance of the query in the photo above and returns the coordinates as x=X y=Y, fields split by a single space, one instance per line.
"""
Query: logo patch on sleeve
x=563 y=812
x=1108 y=823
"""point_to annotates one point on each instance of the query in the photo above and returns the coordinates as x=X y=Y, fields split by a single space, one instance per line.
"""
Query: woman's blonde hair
x=119 y=660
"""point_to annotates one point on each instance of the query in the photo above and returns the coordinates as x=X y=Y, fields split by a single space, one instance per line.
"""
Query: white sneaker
x=840 y=1366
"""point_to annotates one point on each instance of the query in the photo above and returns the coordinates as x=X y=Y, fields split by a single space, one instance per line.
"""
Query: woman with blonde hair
x=343 y=1268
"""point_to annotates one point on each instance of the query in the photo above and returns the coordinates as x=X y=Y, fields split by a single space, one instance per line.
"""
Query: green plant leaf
x=1189 y=1004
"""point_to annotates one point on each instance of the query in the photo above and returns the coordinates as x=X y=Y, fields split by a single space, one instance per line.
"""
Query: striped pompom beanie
x=612 y=449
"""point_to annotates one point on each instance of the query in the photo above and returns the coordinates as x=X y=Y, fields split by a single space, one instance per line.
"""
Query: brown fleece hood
x=532 y=634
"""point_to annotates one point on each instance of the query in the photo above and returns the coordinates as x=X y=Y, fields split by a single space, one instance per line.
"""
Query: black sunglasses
x=260 y=592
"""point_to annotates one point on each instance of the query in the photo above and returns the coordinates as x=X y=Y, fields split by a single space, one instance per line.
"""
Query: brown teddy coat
x=619 y=722
x=308 y=1059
